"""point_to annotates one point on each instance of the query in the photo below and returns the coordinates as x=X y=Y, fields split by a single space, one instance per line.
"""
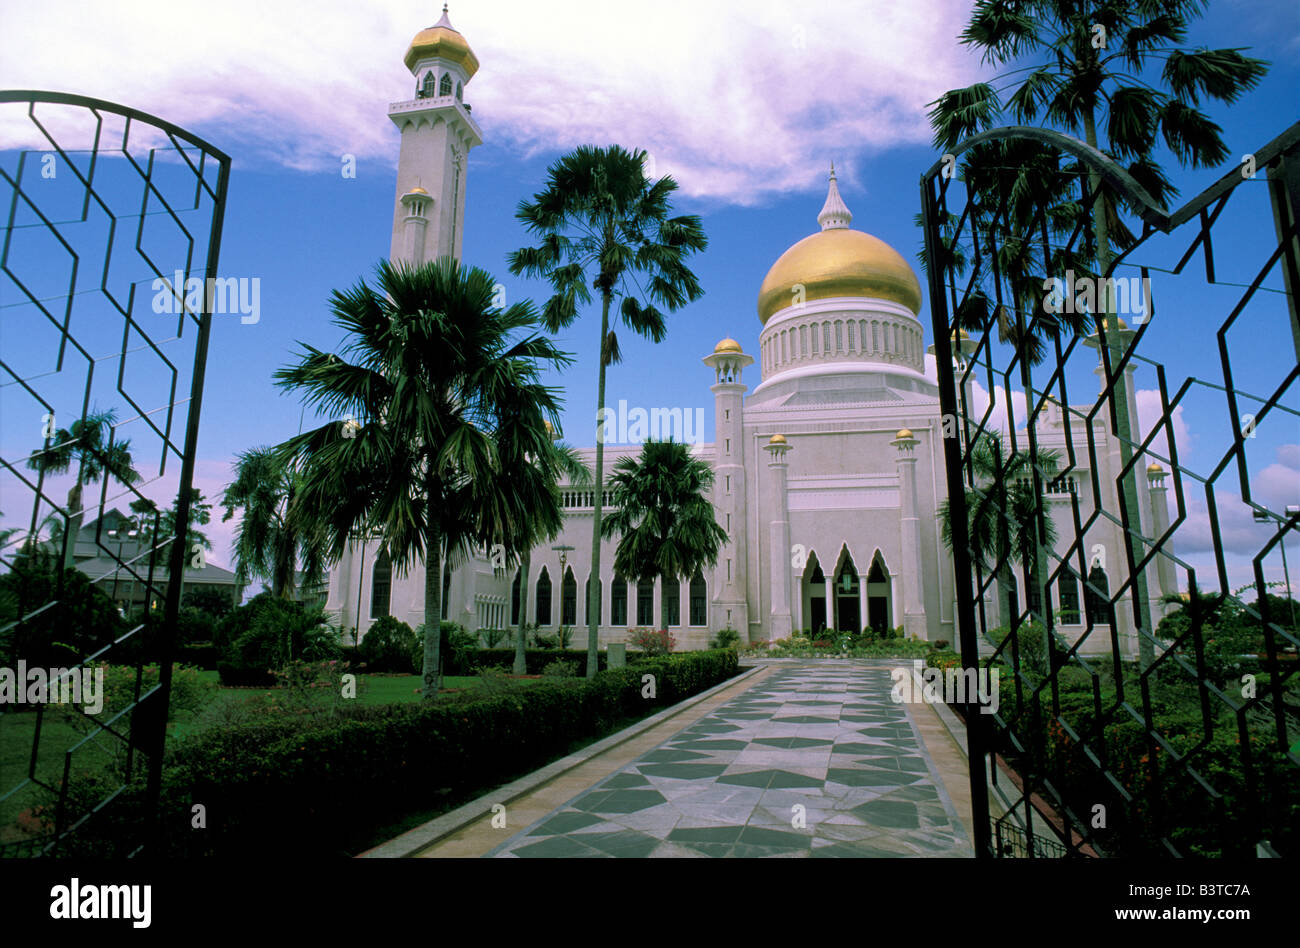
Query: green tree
x=90 y=448
x=1083 y=68
x=420 y=458
x=80 y=620
x=661 y=512
x=1003 y=511
x=268 y=543
x=532 y=467
x=602 y=224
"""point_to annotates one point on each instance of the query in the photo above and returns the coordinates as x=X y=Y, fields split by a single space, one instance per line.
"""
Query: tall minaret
x=730 y=590
x=437 y=134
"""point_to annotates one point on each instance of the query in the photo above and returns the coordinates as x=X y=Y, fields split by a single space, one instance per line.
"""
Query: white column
x=914 y=622
x=779 y=537
x=830 y=601
x=895 y=616
x=862 y=600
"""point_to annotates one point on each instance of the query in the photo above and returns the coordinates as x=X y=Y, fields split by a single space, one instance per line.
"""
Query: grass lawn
x=57 y=736
x=387 y=689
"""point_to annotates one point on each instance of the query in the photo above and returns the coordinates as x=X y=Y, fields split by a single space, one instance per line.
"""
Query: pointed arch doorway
x=878 y=611
x=814 y=595
x=848 y=595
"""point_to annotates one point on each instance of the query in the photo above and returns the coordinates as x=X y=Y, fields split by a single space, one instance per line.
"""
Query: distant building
x=104 y=545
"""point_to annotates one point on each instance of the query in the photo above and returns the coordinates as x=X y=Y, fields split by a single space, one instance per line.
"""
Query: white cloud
x=737 y=100
x=980 y=401
x=1149 y=412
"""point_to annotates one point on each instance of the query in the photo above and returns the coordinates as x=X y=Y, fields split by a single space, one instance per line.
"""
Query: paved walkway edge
x=957 y=731
x=421 y=837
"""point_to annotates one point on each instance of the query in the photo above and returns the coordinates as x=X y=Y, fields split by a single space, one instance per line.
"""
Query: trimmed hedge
x=322 y=785
x=536 y=659
x=203 y=655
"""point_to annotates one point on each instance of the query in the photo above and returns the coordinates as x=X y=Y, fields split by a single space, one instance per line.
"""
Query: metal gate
x=112 y=230
x=1147 y=707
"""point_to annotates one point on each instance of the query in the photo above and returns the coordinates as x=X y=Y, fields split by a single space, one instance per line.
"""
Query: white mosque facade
x=828 y=472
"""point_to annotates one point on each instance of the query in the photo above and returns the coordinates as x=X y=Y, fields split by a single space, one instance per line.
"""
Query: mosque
x=828 y=473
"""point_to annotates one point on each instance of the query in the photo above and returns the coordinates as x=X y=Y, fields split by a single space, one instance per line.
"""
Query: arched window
x=618 y=602
x=444 y=87
x=645 y=602
x=426 y=88
x=381 y=585
x=699 y=600
x=1068 y=592
x=515 y=597
x=671 y=608
x=1096 y=598
x=460 y=91
x=446 y=590
x=544 y=598
x=569 y=599
x=600 y=604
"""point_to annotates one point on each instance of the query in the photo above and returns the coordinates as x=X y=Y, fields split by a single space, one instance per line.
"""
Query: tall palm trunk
x=1146 y=652
x=521 y=660
x=593 y=590
x=432 y=611
x=75 y=515
x=1038 y=569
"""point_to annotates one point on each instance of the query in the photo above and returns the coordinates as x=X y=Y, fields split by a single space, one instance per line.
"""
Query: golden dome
x=443 y=41
x=417 y=190
x=727 y=345
x=839 y=262
x=777 y=439
x=903 y=433
x=1155 y=469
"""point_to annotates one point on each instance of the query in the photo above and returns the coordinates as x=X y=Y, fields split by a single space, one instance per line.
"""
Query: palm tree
x=438 y=368
x=568 y=465
x=268 y=544
x=1005 y=522
x=89 y=447
x=1024 y=190
x=603 y=225
x=532 y=461
x=1082 y=67
x=661 y=512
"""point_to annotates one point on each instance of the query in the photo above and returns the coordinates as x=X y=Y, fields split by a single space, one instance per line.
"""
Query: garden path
x=814 y=760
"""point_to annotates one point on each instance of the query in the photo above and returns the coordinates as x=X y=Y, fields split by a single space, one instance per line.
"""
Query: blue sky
x=745 y=104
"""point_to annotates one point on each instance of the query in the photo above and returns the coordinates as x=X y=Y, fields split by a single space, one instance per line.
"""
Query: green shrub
x=194 y=625
x=493 y=636
x=214 y=602
x=198 y=654
x=495 y=681
x=1029 y=645
x=651 y=642
x=81 y=620
x=267 y=633
x=535 y=659
x=457 y=649
x=366 y=766
x=390 y=646
x=726 y=638
x=560 y=669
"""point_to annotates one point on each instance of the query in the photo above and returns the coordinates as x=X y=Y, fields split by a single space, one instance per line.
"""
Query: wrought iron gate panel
x=1112 y=735
x=105 y=206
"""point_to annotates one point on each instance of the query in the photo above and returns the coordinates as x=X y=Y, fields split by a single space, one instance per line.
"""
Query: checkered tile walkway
x=814 y=761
